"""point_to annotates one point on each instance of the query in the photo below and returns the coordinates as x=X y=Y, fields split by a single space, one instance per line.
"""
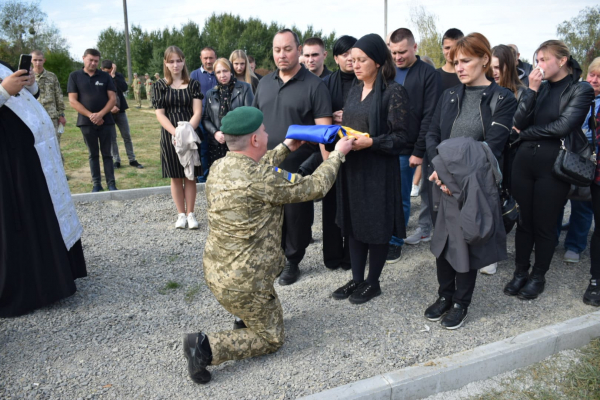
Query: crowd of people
x=480 y=131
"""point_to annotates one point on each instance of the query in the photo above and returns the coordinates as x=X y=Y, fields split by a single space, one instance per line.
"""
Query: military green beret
x=242 y=121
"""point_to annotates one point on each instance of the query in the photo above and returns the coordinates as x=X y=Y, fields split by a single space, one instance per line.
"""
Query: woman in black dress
x=548 y=112
x=40 y=253
x=228 y=95
x=177 y=98
x=368 y=185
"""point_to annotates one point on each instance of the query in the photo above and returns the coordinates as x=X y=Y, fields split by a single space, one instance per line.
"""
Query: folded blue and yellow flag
x=320 y=133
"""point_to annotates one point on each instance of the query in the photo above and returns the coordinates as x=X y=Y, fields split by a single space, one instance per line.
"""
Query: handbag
x=579 y=193
x=576 y=168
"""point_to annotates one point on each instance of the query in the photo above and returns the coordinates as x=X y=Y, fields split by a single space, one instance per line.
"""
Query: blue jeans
x=580 y=223
x=203 y=155
x=406 y=177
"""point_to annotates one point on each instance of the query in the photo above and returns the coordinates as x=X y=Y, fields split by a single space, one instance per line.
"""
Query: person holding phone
x=40 y=234
x=92 y=93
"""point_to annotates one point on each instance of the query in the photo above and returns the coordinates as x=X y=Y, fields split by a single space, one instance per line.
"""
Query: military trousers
x=261 y=312
x=138 y=97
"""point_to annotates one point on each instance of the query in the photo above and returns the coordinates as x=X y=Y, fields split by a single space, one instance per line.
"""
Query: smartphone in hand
x=25 y=62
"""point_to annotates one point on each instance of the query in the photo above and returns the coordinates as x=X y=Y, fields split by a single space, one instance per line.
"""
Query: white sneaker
x=418 y=237
x=490 y=269
x=181 y=221
x=415 y=191
x=191 y=220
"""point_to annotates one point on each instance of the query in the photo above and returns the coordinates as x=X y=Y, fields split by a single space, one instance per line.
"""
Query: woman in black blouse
x=177 y=98
x=548 y=112
x=368 y=185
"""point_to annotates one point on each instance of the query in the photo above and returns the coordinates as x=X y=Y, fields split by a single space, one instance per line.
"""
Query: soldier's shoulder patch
x=288 y=176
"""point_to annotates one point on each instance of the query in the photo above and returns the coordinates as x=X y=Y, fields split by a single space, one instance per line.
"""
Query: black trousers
x=455 y=285
x=595 y=242
x=335 y=246
x=358 y=254
x=99 y=139
x=541 y=198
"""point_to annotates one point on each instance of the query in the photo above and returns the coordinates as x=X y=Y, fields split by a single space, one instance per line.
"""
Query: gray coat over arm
x=469 y=232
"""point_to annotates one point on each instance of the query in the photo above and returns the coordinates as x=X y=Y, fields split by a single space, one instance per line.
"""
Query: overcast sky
x=524 y=22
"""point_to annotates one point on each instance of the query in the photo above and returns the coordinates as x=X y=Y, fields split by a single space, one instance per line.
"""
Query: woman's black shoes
x=195 y=347
x=364 y=292
x=345 y=291
x=534 y=286
x=519 y=280
x=436 y=311
x=592 y=294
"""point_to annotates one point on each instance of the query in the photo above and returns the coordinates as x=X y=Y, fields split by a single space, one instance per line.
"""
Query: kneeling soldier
x=245 y=192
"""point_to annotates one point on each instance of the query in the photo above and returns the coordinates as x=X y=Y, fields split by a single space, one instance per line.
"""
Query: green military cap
x=242 y=121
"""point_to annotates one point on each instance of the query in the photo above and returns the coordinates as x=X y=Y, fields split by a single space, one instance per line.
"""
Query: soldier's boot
x=198 y=353
x=238 y=324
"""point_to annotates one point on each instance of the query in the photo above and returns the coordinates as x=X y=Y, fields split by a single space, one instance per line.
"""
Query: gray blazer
x=469 y=232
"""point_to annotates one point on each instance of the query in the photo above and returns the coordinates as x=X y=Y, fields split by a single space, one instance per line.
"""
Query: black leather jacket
x=241 y=96
x=496 y=125
x=575 y=103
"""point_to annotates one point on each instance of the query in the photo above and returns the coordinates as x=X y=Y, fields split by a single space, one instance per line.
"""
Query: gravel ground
x=119 y=336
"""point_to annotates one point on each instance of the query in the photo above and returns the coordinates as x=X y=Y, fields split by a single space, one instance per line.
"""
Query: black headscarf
x=376 y=49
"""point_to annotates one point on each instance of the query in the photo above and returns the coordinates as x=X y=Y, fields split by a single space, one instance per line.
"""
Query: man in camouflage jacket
x=148 y=86
x=51 y=95
x=245 y=193
x=137 y=87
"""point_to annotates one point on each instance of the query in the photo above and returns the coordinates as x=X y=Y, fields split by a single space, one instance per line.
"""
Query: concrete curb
x=127 y=194
x=457 y=370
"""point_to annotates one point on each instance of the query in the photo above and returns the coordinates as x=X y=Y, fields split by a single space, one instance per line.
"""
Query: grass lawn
x=145 y=134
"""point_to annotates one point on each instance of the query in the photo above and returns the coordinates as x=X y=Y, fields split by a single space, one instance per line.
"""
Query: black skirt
x=36 y=269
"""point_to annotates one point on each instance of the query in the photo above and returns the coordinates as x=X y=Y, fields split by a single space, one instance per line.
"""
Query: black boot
x=517 y=282
x=290 y=274
x=198 y=353
x=592 y=294
x=534 y=286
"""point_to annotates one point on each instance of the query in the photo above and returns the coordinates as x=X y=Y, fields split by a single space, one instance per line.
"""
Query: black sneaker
x=345 y=291
x=112 y=187
x=197 y=351
x=290 y=274
x=437 y=310
x=592 y=294
x=394 y=254
x=455 y=318
x=136 y=164
x=97 y=188
x=364 y=292
x=117 y=165
x=238 y=324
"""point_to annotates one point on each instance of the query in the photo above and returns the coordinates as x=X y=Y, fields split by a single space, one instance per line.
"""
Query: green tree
x=141 y=50
x=24 y=27
x=62 y=65
x=430 y=39
x=111 y=44
x=581 y=34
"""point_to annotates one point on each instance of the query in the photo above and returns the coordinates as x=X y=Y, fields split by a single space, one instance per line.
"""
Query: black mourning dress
x=36 y=268
x=369 y=198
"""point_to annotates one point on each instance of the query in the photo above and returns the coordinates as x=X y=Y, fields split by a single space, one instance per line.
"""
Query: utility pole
x=127 y=47
x=385 y=31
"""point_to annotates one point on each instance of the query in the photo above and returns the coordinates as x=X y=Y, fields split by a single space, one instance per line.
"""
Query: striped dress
x=177 y=104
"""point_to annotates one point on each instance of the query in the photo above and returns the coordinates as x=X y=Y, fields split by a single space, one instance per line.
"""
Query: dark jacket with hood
x=241 y=96
x=575 y=102
x=496 y=125
x=469 y=232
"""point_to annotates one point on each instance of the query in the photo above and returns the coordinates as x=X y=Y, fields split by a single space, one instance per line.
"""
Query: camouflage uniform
x=137 y=86
x=243 y=254
x=148 y=86
x=51 y=98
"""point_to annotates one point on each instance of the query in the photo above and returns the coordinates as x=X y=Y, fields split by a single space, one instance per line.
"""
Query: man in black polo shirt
x=93 y=94
x=291 y=95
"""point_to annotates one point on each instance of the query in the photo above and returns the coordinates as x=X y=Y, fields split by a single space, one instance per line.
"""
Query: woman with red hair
x=483 y=110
